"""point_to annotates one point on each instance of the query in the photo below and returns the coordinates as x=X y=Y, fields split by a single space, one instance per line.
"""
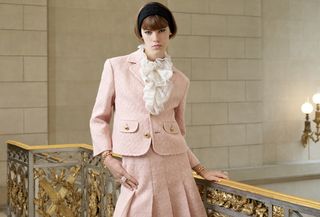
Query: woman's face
x=156 y=41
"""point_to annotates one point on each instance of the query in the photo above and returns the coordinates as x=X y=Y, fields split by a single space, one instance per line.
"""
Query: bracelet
x=105 y=154
x=199 y=169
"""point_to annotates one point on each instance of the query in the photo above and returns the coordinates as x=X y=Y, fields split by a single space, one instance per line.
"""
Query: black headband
x=155 y=9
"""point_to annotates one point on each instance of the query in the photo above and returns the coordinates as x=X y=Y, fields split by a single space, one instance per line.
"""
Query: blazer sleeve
x=180 y=118
x=102 y=112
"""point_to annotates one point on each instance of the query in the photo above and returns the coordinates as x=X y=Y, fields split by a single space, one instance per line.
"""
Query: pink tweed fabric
x=121 y=94
x=166 y=188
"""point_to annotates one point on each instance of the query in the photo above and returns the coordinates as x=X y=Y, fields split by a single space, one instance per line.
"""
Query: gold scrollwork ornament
x=94 y=192
x=277 y=211
x=57 y=193
x=17 y=189
x=236 y=203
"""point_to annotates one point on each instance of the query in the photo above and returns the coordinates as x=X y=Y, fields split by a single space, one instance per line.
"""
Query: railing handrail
x=43 y=147
x=228 y=183
x=271 y=194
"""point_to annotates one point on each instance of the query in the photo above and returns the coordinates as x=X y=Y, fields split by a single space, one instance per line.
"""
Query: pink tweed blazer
x=134 y=128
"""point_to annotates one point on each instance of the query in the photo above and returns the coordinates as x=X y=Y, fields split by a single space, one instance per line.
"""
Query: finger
x=125 y=184
x=131 y=178
x=214 y=178
x=119 y=176
x=222 y=176
x=132 y=185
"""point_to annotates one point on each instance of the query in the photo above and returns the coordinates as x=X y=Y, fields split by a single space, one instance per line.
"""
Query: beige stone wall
x=23 y=74
x=308 y=189
x=219 y=48
x=291 y=74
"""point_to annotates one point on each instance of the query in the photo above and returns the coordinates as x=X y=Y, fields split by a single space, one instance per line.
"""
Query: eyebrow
x=152 y=30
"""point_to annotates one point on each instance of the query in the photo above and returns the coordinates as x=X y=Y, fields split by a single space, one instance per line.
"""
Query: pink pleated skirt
x=166 y=188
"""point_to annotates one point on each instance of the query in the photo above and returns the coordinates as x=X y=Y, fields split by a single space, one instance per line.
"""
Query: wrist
x=200 y=169
x=105 y=155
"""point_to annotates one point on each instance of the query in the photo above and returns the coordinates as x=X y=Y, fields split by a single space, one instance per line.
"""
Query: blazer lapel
x=135 y=70
x=134 y=59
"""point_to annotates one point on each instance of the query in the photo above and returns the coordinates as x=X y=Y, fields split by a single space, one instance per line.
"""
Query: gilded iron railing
x=57 y=180
x=230 y=198
x=66 y=181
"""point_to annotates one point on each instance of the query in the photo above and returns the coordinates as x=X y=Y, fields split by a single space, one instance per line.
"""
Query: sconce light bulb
x=316 y=98
x=307 y=108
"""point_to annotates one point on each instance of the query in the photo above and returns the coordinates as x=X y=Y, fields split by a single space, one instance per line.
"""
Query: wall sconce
x=307 y=108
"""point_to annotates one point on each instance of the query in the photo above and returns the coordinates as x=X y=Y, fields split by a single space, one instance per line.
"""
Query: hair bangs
x=154 y=22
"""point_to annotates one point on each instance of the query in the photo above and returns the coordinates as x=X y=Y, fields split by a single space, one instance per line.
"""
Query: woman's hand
x=119 y=173
x=212 y=175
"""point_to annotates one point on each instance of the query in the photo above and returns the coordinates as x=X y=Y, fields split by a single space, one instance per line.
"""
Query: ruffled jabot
x=156 y=76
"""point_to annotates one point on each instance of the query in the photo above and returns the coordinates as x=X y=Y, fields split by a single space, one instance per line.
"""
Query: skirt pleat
x=166 y=188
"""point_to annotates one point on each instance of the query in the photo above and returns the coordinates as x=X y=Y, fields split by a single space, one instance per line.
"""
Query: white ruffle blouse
x=156 y=76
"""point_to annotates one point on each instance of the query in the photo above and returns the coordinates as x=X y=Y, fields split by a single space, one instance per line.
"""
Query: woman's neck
x=152 y=56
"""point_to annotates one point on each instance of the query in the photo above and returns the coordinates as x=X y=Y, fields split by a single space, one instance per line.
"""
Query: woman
x=147 y=97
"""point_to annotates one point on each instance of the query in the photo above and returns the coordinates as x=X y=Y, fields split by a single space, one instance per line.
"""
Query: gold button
x=171 y=129
x=147 y=135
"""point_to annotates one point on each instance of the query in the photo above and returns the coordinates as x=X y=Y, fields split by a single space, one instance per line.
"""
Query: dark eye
x=162 y=30
x=148 y=32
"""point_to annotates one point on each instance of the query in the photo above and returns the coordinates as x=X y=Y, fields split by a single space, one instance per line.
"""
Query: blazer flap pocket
x=129 y=126
x=171 y=127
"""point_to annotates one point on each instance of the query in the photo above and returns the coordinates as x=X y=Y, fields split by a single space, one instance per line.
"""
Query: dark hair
x=153 y=16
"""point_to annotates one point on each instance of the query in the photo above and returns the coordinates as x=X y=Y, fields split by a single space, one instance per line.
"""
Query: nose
x=155 y=36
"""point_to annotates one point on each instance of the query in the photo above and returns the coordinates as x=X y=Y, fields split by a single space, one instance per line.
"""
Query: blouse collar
x=156 y=76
